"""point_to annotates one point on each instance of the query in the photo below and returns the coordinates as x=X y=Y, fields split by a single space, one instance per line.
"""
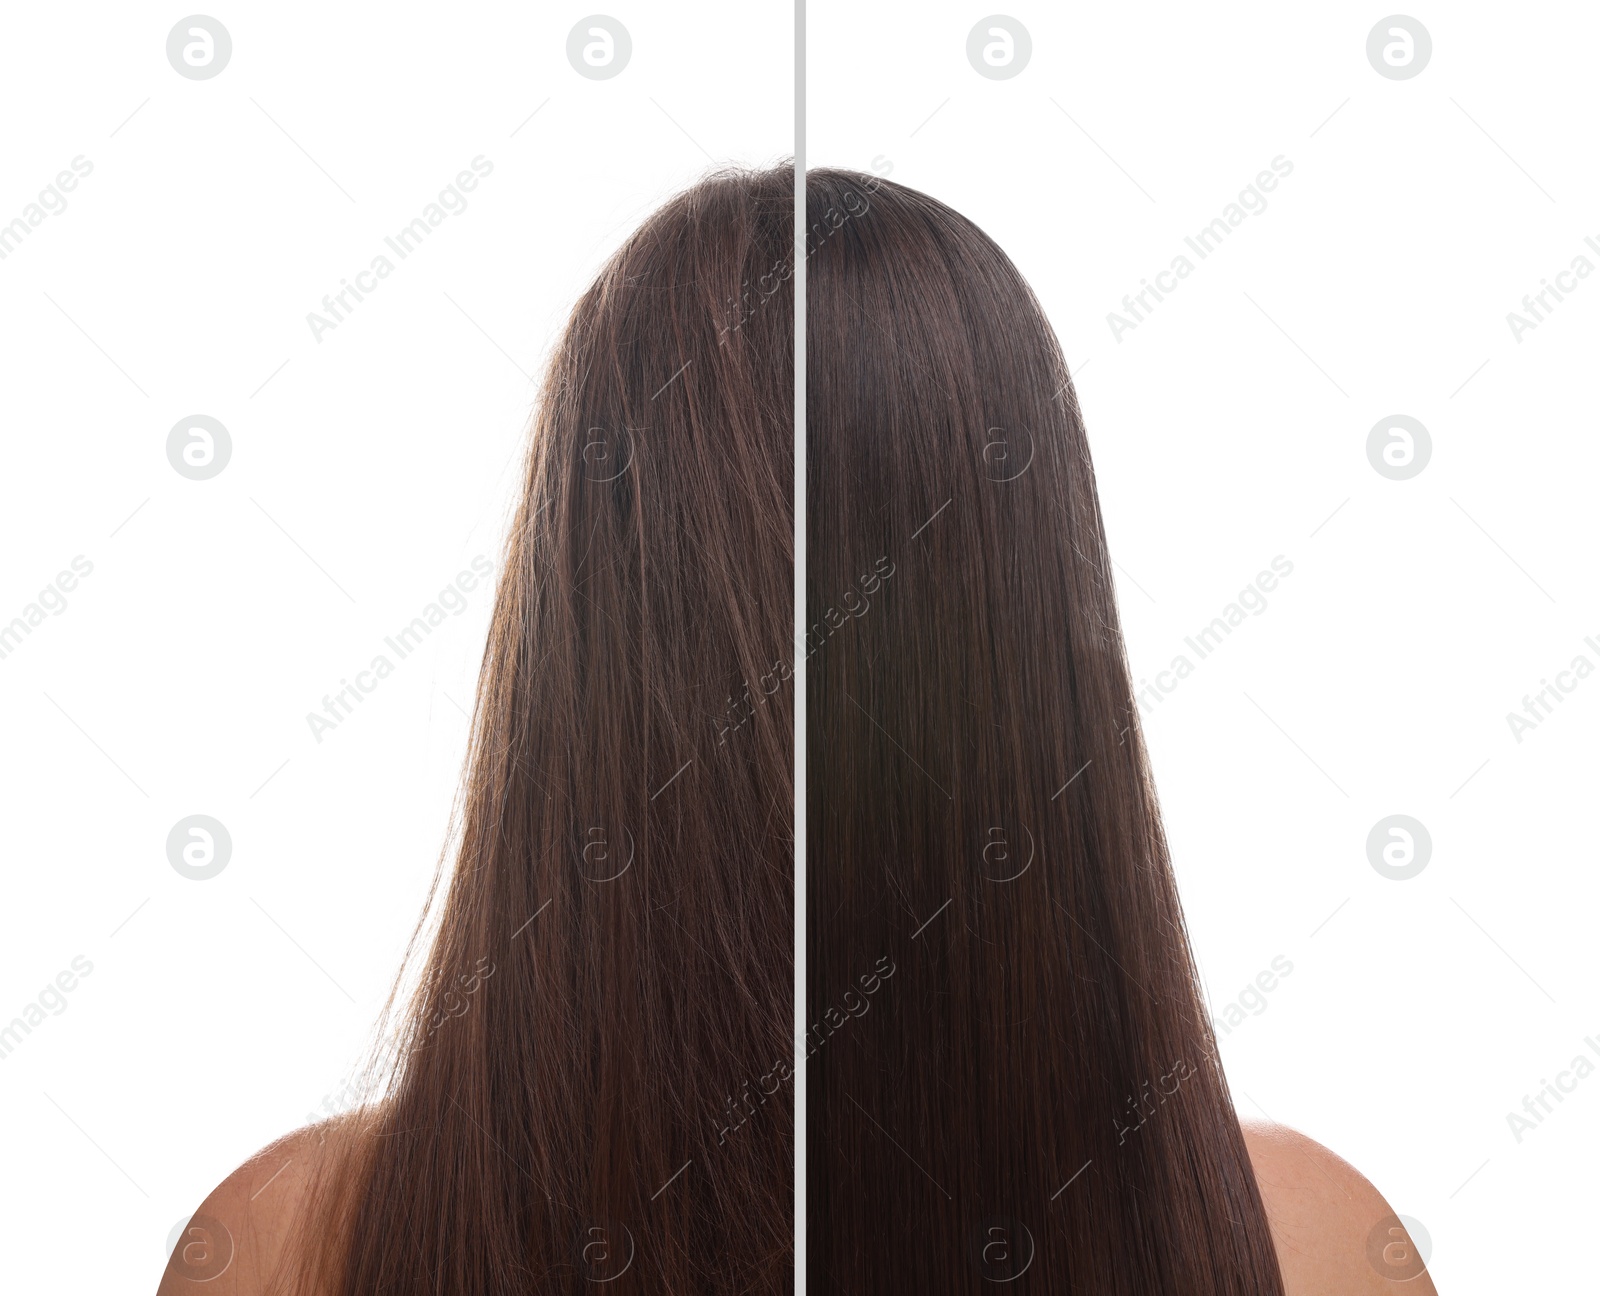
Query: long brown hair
x=1012 y=1074
x=589 y=1083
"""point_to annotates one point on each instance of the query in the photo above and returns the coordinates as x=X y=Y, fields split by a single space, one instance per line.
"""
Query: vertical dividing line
x=800 y=1030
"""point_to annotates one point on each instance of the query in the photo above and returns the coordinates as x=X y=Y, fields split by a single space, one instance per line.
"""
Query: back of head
x=1011 y=1069
x=576 y=1091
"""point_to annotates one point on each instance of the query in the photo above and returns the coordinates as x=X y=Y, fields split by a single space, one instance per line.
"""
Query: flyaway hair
x=592 y=1084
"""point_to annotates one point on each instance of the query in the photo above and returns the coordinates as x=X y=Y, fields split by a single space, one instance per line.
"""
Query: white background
x=177 y=281
x=368 y=468
x=1419 y=1012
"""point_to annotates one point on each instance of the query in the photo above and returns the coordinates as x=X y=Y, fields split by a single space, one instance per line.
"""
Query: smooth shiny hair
x=1012 y=1073
x=590 y=1085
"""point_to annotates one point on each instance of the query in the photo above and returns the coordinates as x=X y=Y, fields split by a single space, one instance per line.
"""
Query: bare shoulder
x=1335 y=1234
x=236 y=1241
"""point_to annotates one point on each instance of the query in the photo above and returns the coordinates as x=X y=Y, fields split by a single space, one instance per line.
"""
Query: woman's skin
x=1323 y=1214
x=1322 y=1211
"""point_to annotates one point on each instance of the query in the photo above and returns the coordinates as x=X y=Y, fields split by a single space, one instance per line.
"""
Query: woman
x=1033 y=1095
x=577 y=1093
x=1011 y=1072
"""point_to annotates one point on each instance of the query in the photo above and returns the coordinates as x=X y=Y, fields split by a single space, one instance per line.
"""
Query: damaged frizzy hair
x=1034 y=1094
x=588 y=1090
